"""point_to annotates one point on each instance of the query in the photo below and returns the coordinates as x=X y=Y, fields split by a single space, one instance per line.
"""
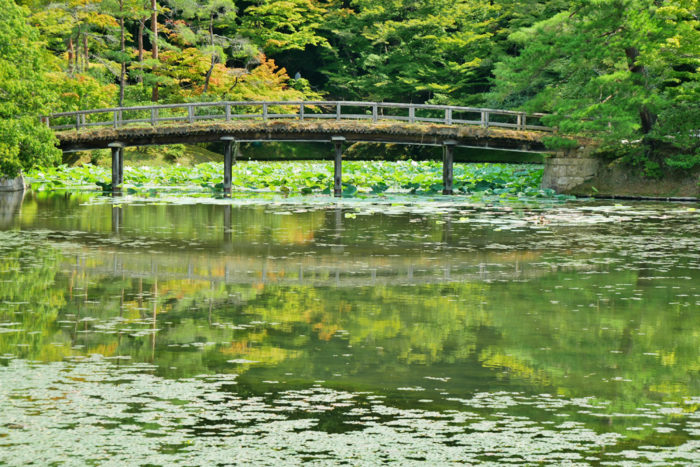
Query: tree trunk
x=154 y=45
x=647 y=118
x=87 y=51
x=122 y=74
x=71 y=55
x=207 y=77
x=142 y=25
x=213 y=54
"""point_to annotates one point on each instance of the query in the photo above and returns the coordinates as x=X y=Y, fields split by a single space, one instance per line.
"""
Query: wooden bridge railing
x=301 y=110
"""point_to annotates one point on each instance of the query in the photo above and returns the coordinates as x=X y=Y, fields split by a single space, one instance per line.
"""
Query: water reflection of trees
x=576 y=342
x=271 y=304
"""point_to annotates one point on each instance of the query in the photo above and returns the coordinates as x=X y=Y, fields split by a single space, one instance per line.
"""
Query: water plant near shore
x=359 y=177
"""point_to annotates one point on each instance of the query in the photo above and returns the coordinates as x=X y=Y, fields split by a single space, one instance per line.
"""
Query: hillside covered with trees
x=625 y=71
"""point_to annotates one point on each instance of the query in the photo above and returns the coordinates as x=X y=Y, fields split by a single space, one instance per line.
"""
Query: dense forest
x=625 y=71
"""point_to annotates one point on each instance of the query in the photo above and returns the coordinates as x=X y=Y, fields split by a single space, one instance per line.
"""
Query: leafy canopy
x=24 y=95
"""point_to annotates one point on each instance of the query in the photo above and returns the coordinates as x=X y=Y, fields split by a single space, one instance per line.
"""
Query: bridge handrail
x=448 y=110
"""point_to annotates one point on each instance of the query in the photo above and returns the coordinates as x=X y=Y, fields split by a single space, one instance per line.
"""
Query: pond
x=397 y=329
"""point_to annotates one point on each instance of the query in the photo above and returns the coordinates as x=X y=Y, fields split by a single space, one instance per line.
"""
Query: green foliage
x=504 y=181
x=558 y=142
x=622 y=71
x=279 y=25
x=24 y=95
x=408 y=51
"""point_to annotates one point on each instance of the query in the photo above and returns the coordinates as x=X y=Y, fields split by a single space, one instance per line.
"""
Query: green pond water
x=271 y=331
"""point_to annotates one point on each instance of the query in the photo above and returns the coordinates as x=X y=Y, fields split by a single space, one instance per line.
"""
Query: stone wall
x=563 y=174
x=10 y=204
x=12 y=184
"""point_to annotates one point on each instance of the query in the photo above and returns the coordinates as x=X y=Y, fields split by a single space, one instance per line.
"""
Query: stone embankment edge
x=12 y=184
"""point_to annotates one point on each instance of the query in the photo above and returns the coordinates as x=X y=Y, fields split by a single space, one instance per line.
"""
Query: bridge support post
x=117 y=164
x=447 y=166
x=338 y=166
x=228 y=161
x=120 y=177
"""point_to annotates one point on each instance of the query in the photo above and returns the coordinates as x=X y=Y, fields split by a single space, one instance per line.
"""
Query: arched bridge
x=320 y=121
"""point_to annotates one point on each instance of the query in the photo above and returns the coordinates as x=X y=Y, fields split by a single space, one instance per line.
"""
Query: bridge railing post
x=448 y=116
x=375 y=112
x=227 y=110
x=154 y=116
x=190 y=114
x=485 y=118
x=115 y=121
x=264 y=112
x=337 y=111
x=411 y=114
x=301 y=111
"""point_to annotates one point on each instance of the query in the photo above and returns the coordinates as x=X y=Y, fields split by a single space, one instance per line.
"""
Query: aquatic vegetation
x=359 y=178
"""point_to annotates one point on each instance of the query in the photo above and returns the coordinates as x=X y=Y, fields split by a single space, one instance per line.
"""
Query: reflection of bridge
x=330 y=271
x=337 y=122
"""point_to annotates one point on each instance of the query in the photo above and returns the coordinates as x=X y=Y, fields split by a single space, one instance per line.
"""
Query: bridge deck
x=322 y=131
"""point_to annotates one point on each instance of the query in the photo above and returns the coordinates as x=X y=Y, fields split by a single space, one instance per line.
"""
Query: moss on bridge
x=281 y=130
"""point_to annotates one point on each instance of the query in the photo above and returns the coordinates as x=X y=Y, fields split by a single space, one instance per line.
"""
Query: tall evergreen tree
x=624 y=69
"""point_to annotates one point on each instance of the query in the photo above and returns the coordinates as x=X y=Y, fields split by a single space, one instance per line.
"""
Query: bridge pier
x=448 y=166
x=338 y=166
x=117 y=164
x=228 y=161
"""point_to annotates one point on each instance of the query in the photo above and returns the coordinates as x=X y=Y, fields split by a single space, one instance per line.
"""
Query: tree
x=154 y=43
x=626 y=70
x=203 y=18
x=411 y=50
x=280 y=25
x=24 y=95
x=75 y=22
